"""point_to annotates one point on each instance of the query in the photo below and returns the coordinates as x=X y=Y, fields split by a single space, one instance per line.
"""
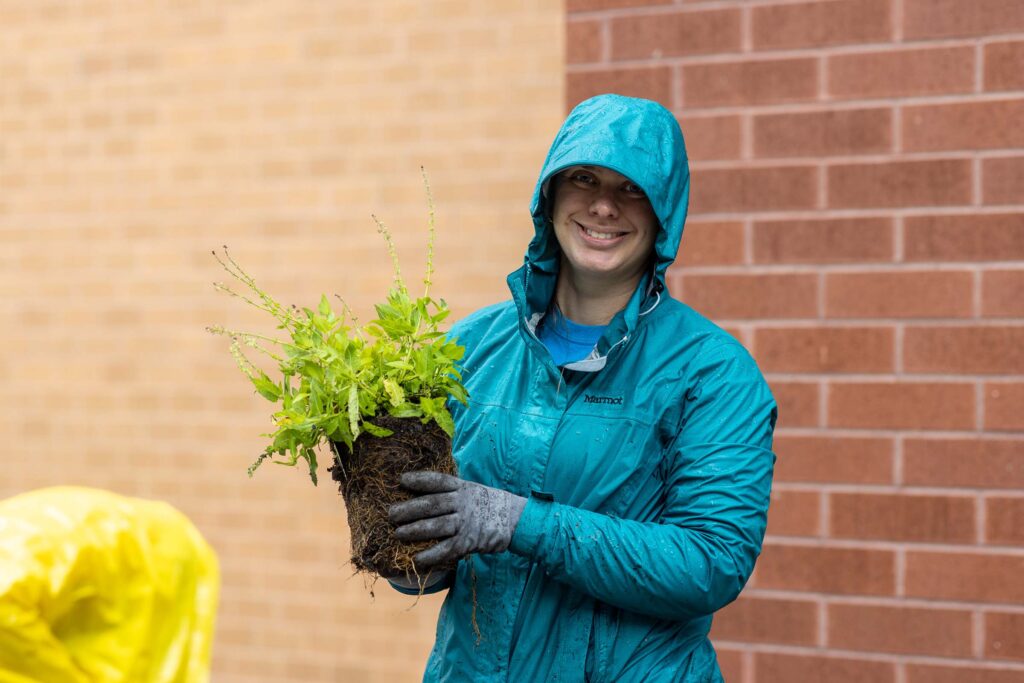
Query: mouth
x=598 y=236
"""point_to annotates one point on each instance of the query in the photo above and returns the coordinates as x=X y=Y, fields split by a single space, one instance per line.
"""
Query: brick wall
x=858 y=222
x=136 y=137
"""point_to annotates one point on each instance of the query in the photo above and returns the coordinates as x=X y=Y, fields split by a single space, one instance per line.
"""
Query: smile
x=597 y=236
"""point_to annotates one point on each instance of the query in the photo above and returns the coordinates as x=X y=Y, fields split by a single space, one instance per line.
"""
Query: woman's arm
x=699 y=555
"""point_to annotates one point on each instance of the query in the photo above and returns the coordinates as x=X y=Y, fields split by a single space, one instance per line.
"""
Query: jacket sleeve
x=699 y=554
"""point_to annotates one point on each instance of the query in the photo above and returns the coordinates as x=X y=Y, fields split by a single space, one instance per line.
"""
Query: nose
x=604 y=206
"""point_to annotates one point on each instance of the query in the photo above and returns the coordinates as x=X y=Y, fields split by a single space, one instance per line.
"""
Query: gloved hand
x=464 y=516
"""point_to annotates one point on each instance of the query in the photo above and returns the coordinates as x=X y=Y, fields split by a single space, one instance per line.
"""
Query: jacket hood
x=641 y=140
x=638 y=138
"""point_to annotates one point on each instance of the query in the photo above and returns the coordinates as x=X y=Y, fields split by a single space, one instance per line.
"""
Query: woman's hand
x=465 y=517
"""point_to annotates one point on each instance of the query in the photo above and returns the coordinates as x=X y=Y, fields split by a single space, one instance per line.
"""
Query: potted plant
x=373 y=394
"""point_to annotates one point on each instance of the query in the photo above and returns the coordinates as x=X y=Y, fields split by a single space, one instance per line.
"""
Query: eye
x=634 y=190
x=582 y=177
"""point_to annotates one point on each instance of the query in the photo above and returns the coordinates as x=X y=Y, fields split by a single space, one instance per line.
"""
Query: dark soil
x=368 y=479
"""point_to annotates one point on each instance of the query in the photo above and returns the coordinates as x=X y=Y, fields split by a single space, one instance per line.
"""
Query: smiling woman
x=615 y=455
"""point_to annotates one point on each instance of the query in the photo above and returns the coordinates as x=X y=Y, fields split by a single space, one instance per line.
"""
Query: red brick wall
x=857 y=220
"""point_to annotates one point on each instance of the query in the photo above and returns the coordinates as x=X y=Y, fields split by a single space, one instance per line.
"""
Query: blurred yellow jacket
x=100 y=588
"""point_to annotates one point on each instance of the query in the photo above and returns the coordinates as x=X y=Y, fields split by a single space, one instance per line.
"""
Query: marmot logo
x=609 y=400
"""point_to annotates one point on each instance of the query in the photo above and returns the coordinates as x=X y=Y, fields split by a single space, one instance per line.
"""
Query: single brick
x=597 y=5
x=907 y=294
x=1003 y=521
x=653 y=83
x=833 y=459
x=798 y=403
x=712 y=243
x=824 y=349
x=655 y=36
x=774 y=666
x=825 y=133
x=947 y=18
x=750 y=83
x=767 y=620
x=901 y=405
x=902 y=517
x=901 y=73
x=794 y=513
x=1003 y=178
x=1005 y=636
x=978 y=350
x=1004 y=406
x=958 y=673
x=822 y=569
x=838 y=240
x=988 y=237
x=974 y=577
x=1003 y=66
x=932 y=182
x=816 y=24
x=754 y=189
x=963 y=125
x=712 y=137
x=751 y=296
x=904 y=630
x=583 y=41
x=972 y=463
x=1003 y=293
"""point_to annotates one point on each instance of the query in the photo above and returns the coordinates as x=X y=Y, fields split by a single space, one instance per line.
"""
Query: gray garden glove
x=465 y=517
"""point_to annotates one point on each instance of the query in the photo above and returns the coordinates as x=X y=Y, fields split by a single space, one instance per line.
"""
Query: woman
x=615 y=453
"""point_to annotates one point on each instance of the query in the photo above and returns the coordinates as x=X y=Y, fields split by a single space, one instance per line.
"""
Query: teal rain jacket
x=647 y=465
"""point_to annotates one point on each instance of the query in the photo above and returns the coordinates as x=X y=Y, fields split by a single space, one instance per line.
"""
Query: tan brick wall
x=135 y=138
x=858 y=220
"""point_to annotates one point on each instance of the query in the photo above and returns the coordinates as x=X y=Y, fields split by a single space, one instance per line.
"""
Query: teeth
x=599 y=235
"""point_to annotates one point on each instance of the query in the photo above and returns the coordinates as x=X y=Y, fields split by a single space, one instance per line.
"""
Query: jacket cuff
x=533 y=526
x=411 y=587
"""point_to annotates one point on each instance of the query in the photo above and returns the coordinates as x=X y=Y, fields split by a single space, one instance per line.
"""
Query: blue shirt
x=567 y=341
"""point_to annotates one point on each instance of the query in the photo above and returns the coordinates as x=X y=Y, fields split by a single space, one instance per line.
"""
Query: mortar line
x=898 y=237
x=897 y=461
x=897 y=21
x=898 y=338
x=979 y=67
x=901 y=572
x=979 y=405
x=976 y=186
x=823 y=617
x=606 y=41
x=978 y=634
x=981 y=519
x=746 y=29
x=897 y=128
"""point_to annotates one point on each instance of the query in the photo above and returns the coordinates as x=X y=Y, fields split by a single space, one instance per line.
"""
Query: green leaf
x=325 y=306
x=395 y=393
x=375 y=430
x=444 y=420
x=353 y=410
x=406 y=410
x=266 y=387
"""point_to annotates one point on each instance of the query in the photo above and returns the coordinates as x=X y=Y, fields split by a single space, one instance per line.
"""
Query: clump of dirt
x=368 y=479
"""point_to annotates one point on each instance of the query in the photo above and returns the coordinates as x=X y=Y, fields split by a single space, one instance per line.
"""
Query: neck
x=591 y=301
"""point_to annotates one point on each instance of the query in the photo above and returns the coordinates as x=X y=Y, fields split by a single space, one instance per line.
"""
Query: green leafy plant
x=335 y=376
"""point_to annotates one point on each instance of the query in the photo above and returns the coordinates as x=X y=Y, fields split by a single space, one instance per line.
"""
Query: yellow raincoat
x=99 y=588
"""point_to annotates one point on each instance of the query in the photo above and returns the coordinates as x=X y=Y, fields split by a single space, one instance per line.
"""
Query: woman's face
x=604 y=223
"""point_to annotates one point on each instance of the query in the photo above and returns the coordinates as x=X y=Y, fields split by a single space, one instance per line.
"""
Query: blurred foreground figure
x=99 y=588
